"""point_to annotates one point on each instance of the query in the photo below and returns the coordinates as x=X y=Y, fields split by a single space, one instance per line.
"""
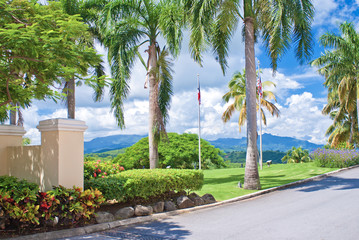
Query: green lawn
x=222 y=183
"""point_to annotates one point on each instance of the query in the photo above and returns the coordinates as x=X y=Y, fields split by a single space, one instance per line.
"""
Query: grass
x=223 y=183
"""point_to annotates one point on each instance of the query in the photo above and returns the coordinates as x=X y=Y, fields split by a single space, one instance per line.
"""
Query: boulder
x=124 y=213
x=184 y=202
x=208 y=198
x=102 y=217
x=170 y=206
x=2 y=219
x=158 y=207
x=196 y=199
x=143 y=210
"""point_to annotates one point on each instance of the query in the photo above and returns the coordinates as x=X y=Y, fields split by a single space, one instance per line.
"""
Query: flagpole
x=260 y=125
x=199 y=123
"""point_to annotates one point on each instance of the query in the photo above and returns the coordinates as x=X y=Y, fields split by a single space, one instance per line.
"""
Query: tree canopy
x=178 y=151
x=40 y=45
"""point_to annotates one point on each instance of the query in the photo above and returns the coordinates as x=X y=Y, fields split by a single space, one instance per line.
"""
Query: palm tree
x=125 y=26
x=278 y=22
x=340 y=67
x=237 y=92
x=296 y=155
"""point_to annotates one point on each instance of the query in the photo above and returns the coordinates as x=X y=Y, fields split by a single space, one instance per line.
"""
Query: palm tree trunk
x=251 y=176
x=71 y=98
x=153 y=100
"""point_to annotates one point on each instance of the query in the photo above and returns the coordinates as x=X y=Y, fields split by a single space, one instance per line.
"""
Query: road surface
x=324 y=209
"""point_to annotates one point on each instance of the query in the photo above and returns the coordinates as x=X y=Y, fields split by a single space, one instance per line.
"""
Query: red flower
x=122 y=168
x=99 y=170
x=94 y=174
x=105 y=173
x=103 y=176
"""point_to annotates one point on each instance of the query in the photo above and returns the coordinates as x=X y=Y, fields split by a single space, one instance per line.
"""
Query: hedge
x=146 y=183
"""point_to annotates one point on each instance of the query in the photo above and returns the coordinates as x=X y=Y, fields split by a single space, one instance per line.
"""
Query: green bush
x=101 y=169
x=26 y=206
x=178 y=151
x=297 y=155
x=146 y=183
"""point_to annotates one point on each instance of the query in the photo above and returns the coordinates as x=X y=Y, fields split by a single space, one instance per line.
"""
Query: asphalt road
x=324 y=209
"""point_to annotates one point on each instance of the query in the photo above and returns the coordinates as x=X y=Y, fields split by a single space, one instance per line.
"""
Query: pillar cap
x=12 y=130
x=62 y=124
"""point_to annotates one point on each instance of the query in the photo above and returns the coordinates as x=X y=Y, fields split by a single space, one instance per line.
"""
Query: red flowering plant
x=101 y=169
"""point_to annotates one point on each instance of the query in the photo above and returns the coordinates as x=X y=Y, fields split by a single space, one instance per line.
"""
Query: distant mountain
x=114 y=142
x=270 y=142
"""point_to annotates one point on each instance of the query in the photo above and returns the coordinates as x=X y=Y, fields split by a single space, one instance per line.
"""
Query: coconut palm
x=125 y=26
x=237 y=92
x=296 y=155
x=340 y=66
x=278 y=21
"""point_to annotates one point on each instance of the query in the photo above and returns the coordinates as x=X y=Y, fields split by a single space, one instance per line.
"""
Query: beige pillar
x=10 y=135
x=62 y=144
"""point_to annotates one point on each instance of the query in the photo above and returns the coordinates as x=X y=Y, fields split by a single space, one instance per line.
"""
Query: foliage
x=146 y=183
x=25 y=206
x=178 y=151
x=335 y=158
x=339 y=66
x=296 y=155
x=237 y=93
x=100 y=169
x=40 y=46
x=108 y=155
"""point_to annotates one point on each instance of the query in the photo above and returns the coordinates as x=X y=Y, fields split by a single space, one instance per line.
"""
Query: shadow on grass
x=149 y=231
x=227 y=179
x=336 y=183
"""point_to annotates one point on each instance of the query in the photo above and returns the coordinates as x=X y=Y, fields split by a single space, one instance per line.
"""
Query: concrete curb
x=106 y=226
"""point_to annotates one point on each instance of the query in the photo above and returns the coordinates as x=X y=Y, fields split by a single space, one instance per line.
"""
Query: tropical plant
x=237 y=92
x=38 y=50
x=124 y=27
x=296 y=155
x=340 y=67
x=279 y=21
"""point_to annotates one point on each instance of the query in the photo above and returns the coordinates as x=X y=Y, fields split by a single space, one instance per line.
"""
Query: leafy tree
x=237 y=92
x=178 y=151
x=340 y=66
x=124 y=27
x=296 y=155
x=38 y=47
x=278 y=21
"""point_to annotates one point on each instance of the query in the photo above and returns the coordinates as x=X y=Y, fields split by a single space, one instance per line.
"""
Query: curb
x=106 y=226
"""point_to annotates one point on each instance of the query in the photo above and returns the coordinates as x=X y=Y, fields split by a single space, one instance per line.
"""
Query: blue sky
x=300 y=92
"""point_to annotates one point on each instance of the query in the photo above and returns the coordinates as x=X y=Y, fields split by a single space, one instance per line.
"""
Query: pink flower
x=103 y=176
x=94 y=174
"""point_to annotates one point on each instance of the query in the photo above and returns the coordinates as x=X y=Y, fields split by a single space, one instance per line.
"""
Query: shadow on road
x=336 y=183
x=149 y=231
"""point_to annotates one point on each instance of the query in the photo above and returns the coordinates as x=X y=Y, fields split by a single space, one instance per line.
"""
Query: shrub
x=296 y=155
x=146 y=183
x=26 y=206
x=100 y=169
x=335 y=158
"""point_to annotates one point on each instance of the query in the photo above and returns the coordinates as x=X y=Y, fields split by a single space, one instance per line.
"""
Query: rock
x=208 y=198
x=102 y=217
x=170 y=206
x=2 y=219
x=196 y=199
x=184 y=202
x=124 y=213
x=143 y=210
x=158 y=207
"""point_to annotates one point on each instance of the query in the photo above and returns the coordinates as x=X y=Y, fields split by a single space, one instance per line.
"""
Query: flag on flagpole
x=199 y=94
x=259 y=87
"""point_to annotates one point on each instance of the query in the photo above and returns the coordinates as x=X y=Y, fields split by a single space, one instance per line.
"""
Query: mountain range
x=269 y=142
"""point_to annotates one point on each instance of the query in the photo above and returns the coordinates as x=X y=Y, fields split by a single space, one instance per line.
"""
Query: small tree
x=296 y=155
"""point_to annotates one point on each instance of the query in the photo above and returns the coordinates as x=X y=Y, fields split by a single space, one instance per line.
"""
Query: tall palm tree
x=125 y=26
x=278 y=21
x=340 y=67
x=237 y=92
